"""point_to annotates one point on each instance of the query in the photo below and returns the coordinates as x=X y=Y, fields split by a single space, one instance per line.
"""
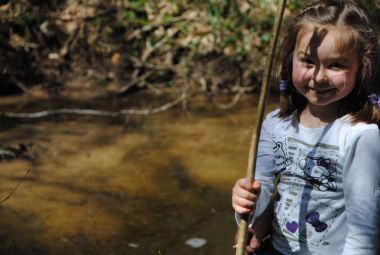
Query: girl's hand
x=252 y=242
x=245 y=195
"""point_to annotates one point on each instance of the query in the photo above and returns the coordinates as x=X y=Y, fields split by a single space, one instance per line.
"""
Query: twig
x=15 y=188
x=87 y=18
x=153 y=88
x=69 y=42
x=144 y=56
x=151 y=48
x=135 y=80
x=156 y=25
x=162 y=67
x=22 y=87
x=234 y=101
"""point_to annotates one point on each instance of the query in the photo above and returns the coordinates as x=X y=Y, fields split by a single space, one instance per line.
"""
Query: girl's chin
x=320 y=101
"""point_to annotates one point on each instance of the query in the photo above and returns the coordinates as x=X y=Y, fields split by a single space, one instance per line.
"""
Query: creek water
x=103 y=186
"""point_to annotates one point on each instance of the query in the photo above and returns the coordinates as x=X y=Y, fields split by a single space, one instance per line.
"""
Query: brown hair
x=351 y=14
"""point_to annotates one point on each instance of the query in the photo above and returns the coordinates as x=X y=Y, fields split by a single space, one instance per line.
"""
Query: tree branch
x=91 y=112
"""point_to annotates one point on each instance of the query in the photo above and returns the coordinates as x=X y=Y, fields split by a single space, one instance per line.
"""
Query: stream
x=149 y=185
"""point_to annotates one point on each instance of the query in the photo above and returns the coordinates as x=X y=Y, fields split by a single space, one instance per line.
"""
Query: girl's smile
x=323 y=73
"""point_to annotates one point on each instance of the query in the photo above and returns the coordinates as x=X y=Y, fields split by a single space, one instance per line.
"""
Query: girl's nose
x=320 y=76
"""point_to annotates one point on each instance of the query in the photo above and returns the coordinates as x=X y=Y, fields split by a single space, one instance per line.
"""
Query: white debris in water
x=196 y=242
x=133 y=245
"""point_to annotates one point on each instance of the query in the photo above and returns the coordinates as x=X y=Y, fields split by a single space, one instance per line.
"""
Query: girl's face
x=322 y=73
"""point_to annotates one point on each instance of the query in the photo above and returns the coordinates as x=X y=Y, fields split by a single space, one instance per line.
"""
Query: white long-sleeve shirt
x=329 y=189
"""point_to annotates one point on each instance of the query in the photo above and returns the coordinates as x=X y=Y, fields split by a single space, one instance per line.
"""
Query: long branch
x=123 y=112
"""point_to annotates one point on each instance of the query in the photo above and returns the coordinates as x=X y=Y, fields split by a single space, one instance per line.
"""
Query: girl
x=323 y=143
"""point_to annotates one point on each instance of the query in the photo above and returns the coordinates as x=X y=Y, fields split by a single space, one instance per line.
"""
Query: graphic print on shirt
x=280 y=159
x=323 y=180
x=313 y=219
x=308 y=174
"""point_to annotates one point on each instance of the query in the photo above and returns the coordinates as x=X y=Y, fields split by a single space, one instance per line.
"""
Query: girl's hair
x=352 y=15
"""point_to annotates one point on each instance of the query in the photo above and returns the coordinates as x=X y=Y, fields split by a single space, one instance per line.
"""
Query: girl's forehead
x=342 y=38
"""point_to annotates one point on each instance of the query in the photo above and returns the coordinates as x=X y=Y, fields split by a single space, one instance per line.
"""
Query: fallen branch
x=90 y=112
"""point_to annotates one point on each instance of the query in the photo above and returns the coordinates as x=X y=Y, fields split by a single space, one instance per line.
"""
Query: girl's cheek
x=300 y=75
x=337 y=79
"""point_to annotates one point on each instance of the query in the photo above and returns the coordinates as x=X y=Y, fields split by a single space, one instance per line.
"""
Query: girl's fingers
x=244 y=183
x=244 y=195
x=253 y=243
x=250 y=250
x=243 y=206
x=243 y=202
x=242 y=210
x=238 y=193
x=256 y=186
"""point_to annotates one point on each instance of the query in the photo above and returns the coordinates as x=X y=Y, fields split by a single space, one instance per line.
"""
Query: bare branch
x=91 y=112
x=136 y=80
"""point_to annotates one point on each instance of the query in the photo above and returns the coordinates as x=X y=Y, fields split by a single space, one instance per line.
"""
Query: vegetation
x=127 y=45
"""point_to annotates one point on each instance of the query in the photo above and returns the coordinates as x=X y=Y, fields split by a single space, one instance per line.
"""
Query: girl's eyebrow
x=331 y=59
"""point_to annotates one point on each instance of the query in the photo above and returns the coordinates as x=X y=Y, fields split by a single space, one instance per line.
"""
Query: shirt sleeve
x=265 y=169
x=265 y=166
x=362 y=195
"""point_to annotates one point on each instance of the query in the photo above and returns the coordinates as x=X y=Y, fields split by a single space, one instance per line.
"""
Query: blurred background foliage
x=127 y=45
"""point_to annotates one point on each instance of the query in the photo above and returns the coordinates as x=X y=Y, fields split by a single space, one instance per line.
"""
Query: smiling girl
x=324 y=141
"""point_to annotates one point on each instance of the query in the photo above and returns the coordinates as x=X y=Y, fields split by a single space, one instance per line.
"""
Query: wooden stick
x=251 y=168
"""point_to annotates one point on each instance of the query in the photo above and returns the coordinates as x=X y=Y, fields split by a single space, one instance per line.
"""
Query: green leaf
x=129 y=15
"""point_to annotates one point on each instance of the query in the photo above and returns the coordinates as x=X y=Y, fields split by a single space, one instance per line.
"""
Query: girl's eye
x=308 y=61
x=335 y=66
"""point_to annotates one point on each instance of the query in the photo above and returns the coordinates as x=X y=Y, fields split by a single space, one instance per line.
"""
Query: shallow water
x=100 y=186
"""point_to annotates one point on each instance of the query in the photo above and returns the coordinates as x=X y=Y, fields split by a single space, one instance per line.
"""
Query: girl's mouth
x=322 y=91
